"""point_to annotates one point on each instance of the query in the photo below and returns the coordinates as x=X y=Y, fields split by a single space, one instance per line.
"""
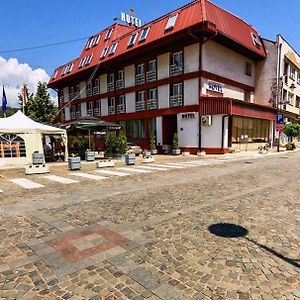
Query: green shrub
x=121 y=144
x=152 y=140
x=110 y=143
x=175 y=141
x=290 y=146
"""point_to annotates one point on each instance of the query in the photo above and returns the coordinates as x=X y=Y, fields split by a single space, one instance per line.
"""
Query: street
x=213 y=228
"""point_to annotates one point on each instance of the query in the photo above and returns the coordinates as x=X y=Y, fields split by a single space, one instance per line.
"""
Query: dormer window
x=63 y=70
x=54 y=74
x=96 y=40
x=70 y=67
x=81 y=63
x=113 y=48
x=132 y=40
x=144 y=34
x=104 y=52
x=108 y=33
x=171 y=22
x=89 y=58
x=87 y=46
x=255 y=40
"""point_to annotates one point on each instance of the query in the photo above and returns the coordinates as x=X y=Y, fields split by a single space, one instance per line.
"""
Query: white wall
x=191 y=58
x=163 y=96
x=66 y=94
x=129 y=76
x=159 y=133
x=191 y=91
x=211 y=136
x=83 y=109
x=163 y=62
x=188 y=130
x=103 y=83
x=222 y=61
x=104 y=107
x=82 y=89
x=130 y=102
x=67 y=113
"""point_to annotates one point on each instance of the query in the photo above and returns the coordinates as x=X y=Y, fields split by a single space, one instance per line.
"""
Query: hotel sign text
x=131 y=20
x=215 y=86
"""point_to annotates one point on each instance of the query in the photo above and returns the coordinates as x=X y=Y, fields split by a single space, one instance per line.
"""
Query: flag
x=4 y=102
x=25 y=95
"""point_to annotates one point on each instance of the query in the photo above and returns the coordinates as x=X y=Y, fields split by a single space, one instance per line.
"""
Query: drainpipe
x=279 y=90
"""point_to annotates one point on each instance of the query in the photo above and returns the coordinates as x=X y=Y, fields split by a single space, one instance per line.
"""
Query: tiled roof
x=189 y=15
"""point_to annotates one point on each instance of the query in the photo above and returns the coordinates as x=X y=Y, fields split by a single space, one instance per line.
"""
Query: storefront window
x=135 y=130
x=12 y=146
x=257 y=130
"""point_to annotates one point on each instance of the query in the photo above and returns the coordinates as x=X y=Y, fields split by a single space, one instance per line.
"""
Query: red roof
x=194 y=13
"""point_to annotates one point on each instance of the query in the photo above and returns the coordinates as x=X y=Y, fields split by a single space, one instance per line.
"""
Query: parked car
x=134 y=149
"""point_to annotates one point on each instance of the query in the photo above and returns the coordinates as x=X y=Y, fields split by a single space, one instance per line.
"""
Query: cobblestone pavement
x=152 y=236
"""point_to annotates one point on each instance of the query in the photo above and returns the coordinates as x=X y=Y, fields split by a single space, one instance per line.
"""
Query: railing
x=110 y=86
x=96 y=90
x=77 y=94
x=121 y=109
x=152 y=104
x=89 y=92
x=72 y=115
x=176 y=100
x=175 y=70
x=97 y=112
x=111 y=110
x=151 y=76
x=140 y=79
x=120 y=84
x=78 y=114
x=140 y=106
x=70 y=97
x=90 y=112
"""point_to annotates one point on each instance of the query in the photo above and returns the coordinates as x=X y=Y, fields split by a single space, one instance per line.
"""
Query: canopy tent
x=19 y=130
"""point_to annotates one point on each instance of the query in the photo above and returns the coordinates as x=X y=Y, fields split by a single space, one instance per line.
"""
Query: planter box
x=105 y=164
x=176 y=151
x=36 y=169
x=153 y=151
x=74 y=163
x=89 y=155
x=37 y=158
x=130 y=159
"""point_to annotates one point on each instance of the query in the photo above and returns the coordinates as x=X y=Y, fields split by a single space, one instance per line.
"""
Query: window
x=292 y=72
x=111 y=78
x=121 y=105
x=63 y=71
x=89 y=58
x=113 y=48
x=132 y=40
x=81 y=63
x=96 y=40
x=12 y=146
x=248 y=68
x=104 y=52
x=140 y=96
x=111 y=106
x=247 y=96
x=153 y=94
x=152 y=65
x=121 y=75
x=88 y=43
x=55 y=74
x=108 y=33
x=77 y=90
x=140 y=69
x=177 y=89
x=176 y=67
x=290 y=98
x=140 y=101
x=298 y=101
x=89 y=107
x=255 y=40
x=298 y=76
x=98 y=108
x=144 y=34
x=171 y=22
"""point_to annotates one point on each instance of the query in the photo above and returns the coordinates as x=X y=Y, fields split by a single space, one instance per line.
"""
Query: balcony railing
x=71 y=97
x=152 y=104
x=176 y=100
x=176 y=70
x=151 y=76
x=89 y=92
x=110 y=86
x=77 y=94
x=111 y=110
x=78 y=114
x=90 y=113
x=97 y=112
x=140 y=106
x=140 y=79
x=121 y=109
x=120 y=84
x=96 y=90
x=72 y=115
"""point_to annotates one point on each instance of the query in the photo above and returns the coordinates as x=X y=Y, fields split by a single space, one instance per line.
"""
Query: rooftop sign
x=131 y=20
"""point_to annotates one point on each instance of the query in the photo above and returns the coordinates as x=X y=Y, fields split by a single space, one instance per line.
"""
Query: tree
x=40 y=108
x=292 y=130
x=29 y=97
x=10 y=111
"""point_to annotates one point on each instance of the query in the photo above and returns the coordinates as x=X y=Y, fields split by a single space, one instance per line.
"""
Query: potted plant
x=152 y=137
x=263 y=149
x=110 y=144
x=74 y=163
x=175 y=150
x=89 y=155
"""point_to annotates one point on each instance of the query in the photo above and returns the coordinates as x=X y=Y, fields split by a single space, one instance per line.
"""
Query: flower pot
x=130 y=159
x=153 y=151
x=105 y=164
x=37 y=158
x=74 y=163
x=176 y=151
x=89 y=155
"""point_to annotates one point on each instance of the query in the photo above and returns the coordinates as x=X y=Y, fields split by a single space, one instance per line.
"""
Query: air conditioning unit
x=206 y=120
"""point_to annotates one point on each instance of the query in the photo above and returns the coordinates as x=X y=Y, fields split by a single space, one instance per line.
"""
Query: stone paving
x=152 y=239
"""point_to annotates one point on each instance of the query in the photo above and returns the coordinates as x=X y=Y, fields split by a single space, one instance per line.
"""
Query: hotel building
x=193 y=71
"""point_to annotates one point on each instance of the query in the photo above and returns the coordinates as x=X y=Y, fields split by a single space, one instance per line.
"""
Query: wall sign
x=188 y=116
x=131 y=20
x=215 y=86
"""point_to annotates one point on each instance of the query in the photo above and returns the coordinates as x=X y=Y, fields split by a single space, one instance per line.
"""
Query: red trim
x=194 y=150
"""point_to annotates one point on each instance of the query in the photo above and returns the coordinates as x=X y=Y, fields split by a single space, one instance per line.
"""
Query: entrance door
x=169 y=128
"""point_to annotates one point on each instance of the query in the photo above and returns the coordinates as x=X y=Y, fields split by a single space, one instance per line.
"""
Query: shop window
x=12 y=146
x=135 y=130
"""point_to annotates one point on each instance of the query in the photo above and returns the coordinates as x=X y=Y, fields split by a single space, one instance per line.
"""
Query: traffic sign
x=280 y=118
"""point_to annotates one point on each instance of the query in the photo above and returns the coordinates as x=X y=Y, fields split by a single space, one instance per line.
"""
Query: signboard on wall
x=188 y=116
x=215 y=86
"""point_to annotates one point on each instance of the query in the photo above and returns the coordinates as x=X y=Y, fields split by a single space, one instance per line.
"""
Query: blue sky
x=26 y=23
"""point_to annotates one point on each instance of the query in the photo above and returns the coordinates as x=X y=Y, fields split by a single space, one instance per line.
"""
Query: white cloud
x=14 y=74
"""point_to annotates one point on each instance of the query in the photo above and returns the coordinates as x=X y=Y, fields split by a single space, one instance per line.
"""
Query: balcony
x=111 y=110
x=176 y=100
x=176 y=70
x=121 y=109
x=77 y=94
x=72 y=115
x=78 y=114
x=140 y=79
x=96 y=90
x=89 y=92
x=151 y=76
x=140 y=106
x=97 y=112
x=110 y=86
x=120 y=84
x=152 y=104
x=90 y=113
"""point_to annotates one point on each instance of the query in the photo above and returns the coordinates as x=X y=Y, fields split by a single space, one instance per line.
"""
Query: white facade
x=191 y=58
x=129 y=76
x=188 y=130
x=191 y=91
x=163 y=62
x=130 y=103
x=163 y=96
